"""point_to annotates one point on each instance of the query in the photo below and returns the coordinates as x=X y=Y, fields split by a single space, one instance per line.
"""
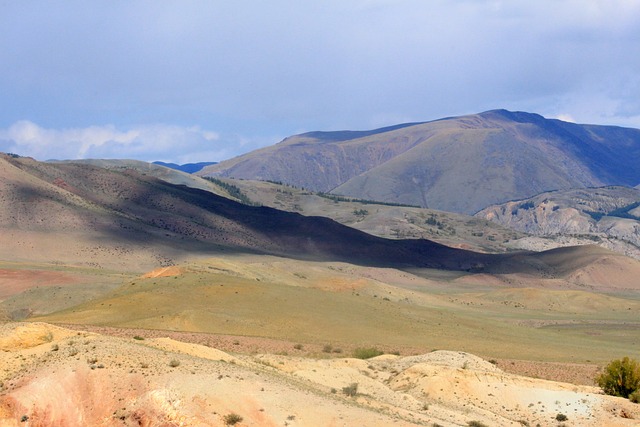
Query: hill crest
x=457 y=164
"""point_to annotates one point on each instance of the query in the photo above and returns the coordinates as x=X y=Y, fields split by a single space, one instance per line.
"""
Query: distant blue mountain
x=187 y=167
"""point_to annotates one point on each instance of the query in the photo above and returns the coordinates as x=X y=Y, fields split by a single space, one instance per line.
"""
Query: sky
x=189 y=81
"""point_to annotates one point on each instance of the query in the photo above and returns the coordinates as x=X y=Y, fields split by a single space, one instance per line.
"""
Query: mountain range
x=186 y=167
x=457 y=164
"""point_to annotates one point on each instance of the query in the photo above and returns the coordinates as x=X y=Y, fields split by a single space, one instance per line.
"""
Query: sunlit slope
x=459 y=164
x=346 y=306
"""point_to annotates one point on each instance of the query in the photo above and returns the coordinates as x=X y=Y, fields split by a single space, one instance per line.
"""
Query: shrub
x=561 y=417
x=635 y=396
x=476 y=424
x=327 y=348
x=138 y=337
x=366 y=353
x=174 y=363
x=350 y=390
x=298 y=346
x=620 y=377
x=232 y=419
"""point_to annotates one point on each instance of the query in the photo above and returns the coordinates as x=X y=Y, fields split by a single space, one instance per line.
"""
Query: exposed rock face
x=609 y=216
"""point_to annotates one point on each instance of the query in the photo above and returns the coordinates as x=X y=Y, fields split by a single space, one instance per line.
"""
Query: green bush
x=366 y=353
x=635 y=396
x=620 y=377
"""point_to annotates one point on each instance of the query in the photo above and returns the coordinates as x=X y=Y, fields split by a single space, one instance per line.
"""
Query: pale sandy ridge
x=55 y=376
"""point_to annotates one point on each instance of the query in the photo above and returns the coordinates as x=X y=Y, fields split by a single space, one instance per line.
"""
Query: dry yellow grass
x=346 y=305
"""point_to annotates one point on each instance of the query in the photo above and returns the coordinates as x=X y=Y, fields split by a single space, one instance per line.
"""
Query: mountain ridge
x=458 y=164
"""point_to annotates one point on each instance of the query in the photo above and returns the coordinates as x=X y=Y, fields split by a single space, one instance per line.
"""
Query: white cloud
x=150 y=142
x=566 y=117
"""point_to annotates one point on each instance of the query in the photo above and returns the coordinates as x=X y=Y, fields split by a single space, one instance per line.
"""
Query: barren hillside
x=458 y=164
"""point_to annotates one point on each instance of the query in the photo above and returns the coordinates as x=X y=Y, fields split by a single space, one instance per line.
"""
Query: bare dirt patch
x=15 y=281
x=164 y=272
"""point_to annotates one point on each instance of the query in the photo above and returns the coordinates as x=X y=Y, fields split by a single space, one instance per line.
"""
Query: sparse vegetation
x=561 y=417
x=336 y=198
x=232 y=190
x=620 y=377
x=366 y=353
x=232 y=419
x=351 y=390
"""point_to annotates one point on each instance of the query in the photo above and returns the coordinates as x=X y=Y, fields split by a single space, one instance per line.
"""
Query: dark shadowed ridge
x=107 y=208
x=128 y=206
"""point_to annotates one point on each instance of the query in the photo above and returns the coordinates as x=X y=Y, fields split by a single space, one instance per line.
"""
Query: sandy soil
x=54 y=376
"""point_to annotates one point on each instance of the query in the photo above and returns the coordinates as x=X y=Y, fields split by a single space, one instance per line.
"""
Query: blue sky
x=187 y=81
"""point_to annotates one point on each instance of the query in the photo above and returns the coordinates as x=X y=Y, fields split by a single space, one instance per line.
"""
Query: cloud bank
x=154 y=142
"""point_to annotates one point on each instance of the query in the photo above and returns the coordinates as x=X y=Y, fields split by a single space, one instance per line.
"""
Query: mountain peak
x=515 y=116
x=457 y=164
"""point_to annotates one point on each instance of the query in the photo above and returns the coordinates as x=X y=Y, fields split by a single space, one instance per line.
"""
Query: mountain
x=457 y=164
x=82 y=212
x=609 y=216
x=187 y=167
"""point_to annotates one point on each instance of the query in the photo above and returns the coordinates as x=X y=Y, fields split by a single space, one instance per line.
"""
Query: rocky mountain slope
x=458 y=164
x=609 y=216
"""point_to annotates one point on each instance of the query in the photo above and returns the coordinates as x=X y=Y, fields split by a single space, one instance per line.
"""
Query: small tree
x=620 y=377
